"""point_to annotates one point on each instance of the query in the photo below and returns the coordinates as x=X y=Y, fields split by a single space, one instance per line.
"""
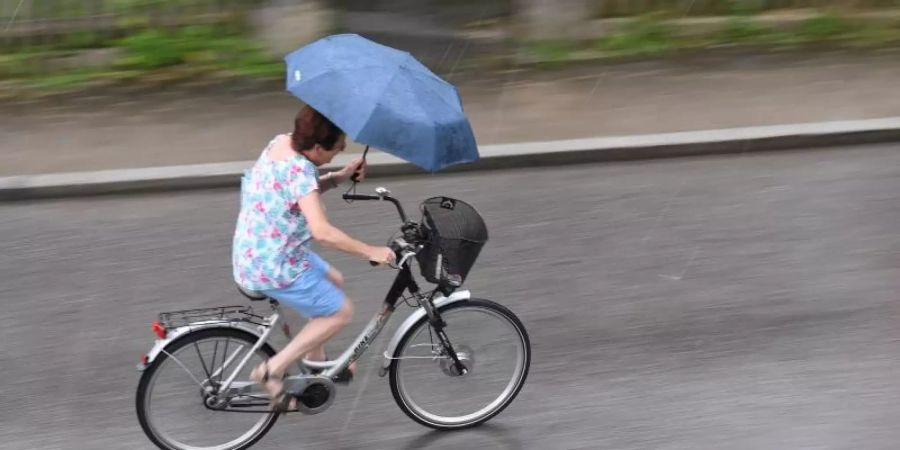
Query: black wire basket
x=454 y=236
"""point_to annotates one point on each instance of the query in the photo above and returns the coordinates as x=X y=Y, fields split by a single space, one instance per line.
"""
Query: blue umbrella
x=384 y=98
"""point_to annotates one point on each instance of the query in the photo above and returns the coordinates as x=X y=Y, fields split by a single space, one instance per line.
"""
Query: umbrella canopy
x=384 y=98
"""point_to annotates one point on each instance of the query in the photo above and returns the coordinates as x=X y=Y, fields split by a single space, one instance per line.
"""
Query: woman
x=281 y=213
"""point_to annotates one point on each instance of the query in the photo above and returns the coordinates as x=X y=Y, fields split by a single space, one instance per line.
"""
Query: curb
x=528 y=154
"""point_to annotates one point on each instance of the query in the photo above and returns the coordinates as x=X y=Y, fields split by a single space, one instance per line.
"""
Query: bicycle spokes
x=481 y=338
x=181 y=401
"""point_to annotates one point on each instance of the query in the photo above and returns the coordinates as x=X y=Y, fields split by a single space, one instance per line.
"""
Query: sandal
x=345 y=377
x=281 y=401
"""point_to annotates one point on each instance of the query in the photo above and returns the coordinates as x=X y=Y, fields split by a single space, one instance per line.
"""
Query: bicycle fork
x=438 y=324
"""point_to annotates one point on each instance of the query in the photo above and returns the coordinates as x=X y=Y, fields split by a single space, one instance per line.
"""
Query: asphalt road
x=739 y=302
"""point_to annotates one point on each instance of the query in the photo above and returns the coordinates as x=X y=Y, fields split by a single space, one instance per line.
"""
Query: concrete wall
x=551 y=19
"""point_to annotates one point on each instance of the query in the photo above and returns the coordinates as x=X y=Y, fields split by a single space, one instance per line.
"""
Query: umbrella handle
x=355 y=177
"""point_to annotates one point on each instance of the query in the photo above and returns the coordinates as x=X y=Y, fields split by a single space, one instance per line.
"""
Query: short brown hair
x=311 y=128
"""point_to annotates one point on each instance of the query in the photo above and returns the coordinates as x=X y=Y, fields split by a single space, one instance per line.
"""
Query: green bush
x=81 y=40
x=746 y=7
x=823 y=27
x=16 y=65
x=630 y=8
x=742 y=30
x=875 y=35
x=200 y=47
x=152 y=49
x=551 y=51
x=644 y=36
x=61 y=81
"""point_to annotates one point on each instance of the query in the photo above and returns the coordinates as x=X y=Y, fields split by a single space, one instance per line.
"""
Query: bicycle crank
x=314 y=393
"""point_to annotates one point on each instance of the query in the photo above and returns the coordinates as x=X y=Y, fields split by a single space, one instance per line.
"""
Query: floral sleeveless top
x=272 y=238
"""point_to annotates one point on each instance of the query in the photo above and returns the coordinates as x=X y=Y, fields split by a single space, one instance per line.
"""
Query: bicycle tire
x=148 y=375
x=400 y=396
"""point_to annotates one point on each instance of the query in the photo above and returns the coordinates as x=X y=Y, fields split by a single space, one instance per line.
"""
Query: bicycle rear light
x=158 y=329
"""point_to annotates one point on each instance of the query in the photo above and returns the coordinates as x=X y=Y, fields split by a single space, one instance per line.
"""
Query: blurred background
x=743 y=301
x=59 y=44
x=527 y=70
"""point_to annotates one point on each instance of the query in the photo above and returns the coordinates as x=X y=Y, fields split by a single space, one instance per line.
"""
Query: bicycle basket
x=454 y=236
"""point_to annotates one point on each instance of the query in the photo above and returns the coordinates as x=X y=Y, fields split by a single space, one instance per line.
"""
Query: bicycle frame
x=403 y=282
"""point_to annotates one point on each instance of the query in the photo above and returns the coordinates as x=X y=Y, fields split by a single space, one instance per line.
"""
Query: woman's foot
x=281 y=401
x=346 y=375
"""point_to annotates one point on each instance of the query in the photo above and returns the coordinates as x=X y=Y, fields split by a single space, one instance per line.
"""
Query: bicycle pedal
x=345 y=377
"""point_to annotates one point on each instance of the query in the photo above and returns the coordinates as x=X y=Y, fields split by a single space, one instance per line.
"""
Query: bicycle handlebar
x=403 y=250
x=361 y=197
x=348 y=196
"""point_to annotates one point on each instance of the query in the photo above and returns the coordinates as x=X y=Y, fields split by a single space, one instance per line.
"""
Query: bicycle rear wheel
x=489 y=340
x=172 y=394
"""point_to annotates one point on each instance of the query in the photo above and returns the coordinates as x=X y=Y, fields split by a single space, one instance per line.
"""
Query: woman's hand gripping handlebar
x=402 y=249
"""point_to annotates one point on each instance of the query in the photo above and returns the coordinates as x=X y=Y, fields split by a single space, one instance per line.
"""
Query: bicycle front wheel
x=174 y=404
x=492 y=344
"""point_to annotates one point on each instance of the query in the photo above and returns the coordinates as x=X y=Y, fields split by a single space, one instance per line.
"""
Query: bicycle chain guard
x=314 y=393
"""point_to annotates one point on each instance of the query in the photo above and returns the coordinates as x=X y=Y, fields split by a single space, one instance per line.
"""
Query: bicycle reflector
x=158 y=329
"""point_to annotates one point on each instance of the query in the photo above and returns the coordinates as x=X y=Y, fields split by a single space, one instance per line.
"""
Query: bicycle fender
x=175 y=333
x=439 y=301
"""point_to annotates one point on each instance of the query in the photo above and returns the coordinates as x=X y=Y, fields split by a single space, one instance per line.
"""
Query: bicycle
x=452 y=351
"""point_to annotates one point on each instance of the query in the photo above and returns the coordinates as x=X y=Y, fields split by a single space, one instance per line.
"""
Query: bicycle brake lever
x=406 y=256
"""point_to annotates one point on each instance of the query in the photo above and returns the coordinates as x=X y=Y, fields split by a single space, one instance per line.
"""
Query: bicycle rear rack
x=224 y=314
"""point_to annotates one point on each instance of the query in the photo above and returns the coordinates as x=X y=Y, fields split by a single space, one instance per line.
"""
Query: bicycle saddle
x=252 y=295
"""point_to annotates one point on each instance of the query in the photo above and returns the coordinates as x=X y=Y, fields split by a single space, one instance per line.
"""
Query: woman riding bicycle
x=281 y=212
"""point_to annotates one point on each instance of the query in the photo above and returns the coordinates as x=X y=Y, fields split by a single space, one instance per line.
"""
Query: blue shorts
x=312 y=294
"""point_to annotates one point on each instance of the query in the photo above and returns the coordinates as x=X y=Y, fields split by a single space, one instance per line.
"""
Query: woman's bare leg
x=311 y=338
x=309 y=342
x=318 y=353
